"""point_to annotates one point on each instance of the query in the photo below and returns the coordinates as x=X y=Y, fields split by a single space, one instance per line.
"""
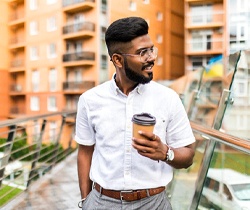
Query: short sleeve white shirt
x=104 y=119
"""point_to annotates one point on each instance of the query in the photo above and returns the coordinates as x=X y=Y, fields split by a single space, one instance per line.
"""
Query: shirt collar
x=139 y=89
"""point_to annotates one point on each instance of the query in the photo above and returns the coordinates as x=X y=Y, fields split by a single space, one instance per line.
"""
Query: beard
x=136 y=77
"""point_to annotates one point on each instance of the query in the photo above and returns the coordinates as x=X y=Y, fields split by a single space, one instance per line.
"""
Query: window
x=201 y=14
x=132 y=6
x=51 y=1
x=198 y=62
x=159 y=60
x=78 y=75
x=52 y=80
x=35 y=80
x=34 y=103
x=159 y=38
x=51 y=24
x=201 y=41
x=159 y=16
x=52 y=132
x=33 y=53
x=103 y=30
x=104 y=6
x=104 y=63
x=33 y=4
x=51 y=103
x=33 y=28
x=146 y=1
x=238 y=35
x=51 y=50
x=227 y=192
x=240 y=87
x=212 y=184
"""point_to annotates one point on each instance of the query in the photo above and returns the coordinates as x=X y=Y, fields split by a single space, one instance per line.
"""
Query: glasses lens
x=148 y=53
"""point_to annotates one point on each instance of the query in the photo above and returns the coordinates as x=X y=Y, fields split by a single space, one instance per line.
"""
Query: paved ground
x=56 y=190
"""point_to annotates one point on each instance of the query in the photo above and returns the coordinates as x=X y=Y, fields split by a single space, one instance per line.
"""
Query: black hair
x=123 y=31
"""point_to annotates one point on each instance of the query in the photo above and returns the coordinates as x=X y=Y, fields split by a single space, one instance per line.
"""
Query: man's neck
x=125 y=87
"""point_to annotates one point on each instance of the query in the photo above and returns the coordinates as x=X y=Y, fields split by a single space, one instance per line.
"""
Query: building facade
x=55 y=49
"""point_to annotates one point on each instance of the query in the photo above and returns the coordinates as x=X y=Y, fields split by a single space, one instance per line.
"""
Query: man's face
x=135 y=75
x=135 y=70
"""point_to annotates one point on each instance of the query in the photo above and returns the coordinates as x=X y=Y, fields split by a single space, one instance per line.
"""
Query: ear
x=117 y=60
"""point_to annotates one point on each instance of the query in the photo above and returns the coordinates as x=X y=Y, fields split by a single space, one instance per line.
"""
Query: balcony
x=203 y=21
x=77 y=87
x=16 y=89
x=79 y=58
x=17 y=19
x=17 y=110
x=17 y=65
x=212 y=47
x=73 y=6
x=79 y=30
x=17 y=42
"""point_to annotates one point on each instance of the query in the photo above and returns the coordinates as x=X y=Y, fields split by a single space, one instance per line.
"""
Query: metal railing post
x=7 y=151
x=58 y=140
x=37 y=153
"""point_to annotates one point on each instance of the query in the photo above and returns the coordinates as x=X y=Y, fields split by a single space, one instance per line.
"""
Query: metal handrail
x=7 y=123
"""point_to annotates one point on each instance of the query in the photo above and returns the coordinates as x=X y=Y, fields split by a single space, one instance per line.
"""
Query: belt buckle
x=124 y=191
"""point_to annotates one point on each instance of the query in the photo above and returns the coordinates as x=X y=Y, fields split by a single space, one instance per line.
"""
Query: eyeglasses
x=145 y=54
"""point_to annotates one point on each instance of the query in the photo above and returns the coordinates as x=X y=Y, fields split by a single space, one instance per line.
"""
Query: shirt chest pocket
x=161 y=127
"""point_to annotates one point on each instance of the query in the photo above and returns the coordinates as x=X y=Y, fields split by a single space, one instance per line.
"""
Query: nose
x=151 y=56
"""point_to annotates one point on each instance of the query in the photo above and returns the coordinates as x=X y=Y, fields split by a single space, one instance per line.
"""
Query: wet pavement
x=59 y=190
x=56 y=190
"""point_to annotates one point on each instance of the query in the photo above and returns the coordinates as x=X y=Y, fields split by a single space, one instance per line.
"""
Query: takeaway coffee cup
x=143 y=122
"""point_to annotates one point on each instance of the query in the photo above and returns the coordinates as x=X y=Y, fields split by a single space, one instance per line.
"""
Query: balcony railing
x=17 y=15
x=213 y=45
x=79 y=56
x=72 y=2
x=17 y=63
x=16 y=88
x=30 y=147
x=212 y=20
x=17 y=110
x=83 y=85
x=77 y=27
x=16 y=40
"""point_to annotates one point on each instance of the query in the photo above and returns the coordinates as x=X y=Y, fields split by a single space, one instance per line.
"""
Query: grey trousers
x=96 y=201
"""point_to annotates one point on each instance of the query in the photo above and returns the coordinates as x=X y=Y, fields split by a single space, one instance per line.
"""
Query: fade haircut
x=122 y=31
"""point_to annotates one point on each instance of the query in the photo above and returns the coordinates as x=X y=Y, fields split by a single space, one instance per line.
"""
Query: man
x=116 y=170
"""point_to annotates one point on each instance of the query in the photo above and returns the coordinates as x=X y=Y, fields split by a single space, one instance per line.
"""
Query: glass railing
x=217 y=106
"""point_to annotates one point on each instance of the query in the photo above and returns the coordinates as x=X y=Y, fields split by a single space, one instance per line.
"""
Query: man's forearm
x=83 y=164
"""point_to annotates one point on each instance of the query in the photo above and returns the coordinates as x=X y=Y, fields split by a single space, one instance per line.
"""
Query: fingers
x=148 y=135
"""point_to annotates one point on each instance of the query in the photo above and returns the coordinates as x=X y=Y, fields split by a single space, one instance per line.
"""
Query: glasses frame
x=152 y=51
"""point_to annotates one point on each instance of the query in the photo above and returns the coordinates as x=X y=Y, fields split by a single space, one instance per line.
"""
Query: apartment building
x=205 y=31
x=221 y=27
x=56 y=48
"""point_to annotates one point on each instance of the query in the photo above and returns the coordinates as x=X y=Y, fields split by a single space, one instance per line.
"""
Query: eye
x=143 y=52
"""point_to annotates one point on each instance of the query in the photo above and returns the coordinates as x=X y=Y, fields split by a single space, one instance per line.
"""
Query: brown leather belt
x=129 y=195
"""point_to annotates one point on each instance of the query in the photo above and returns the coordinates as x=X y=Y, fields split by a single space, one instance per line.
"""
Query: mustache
x=148 y=65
